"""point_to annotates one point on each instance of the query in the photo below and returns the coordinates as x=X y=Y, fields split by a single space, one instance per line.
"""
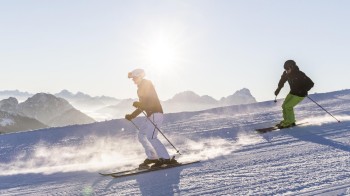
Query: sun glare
x=162 y=53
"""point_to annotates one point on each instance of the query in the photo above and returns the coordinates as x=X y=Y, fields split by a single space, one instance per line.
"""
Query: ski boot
x=279 y=124
x=164 y=162
x=173 y=161
x=146 y=163
x=282 y=126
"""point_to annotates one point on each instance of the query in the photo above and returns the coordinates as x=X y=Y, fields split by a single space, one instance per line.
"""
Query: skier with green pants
x=299 y=84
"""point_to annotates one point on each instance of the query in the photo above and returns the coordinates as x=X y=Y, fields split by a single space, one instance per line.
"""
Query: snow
x=311 y=159
x=6 y=122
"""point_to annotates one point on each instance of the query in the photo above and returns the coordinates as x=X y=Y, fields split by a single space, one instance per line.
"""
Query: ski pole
x=323 y=108
x=158 y=130
x=135 y=125
x=161 y=132
x=275 y=99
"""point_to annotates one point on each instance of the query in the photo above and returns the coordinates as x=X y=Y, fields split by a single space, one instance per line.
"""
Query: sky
x=210 y=47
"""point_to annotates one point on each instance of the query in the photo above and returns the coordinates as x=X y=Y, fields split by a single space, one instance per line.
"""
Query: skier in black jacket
x=150 y=104
x=299 y=84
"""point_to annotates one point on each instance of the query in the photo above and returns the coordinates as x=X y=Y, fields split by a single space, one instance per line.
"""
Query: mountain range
x=190 y=101
x=84 y=101
x=66 y=108
x=38 y=111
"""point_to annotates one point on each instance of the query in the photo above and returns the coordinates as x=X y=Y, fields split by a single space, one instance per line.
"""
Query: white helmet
x=136 y=73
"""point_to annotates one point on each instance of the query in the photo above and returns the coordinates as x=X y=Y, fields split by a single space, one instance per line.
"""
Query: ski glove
x=129 y=117
x=277 y=91
x=138 y=105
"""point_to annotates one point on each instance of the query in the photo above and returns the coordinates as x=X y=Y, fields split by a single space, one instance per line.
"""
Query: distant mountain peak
x=10 y=100
x=52 y=110
x=186 y=96
x=9 y=104
x=242 y=96
x=243 y=91
x=19 y=95
x=46 y=98
x=15 y=92
x=65 y=93
x=69 y=95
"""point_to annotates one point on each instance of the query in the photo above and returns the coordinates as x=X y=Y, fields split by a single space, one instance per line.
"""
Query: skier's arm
x=133 y=115
x=136 y=112
x=281 y=83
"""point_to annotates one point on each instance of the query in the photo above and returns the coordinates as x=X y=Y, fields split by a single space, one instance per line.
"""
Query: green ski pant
x=288 y=108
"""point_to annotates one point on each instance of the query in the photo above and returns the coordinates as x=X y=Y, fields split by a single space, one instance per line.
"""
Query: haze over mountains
x=43 y=110
x=66 y=108
x=39 y=111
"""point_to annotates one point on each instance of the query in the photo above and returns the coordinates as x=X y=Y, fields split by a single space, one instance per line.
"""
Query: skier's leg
x=152 y=133
x=288 y=108
x=142 y=136
x=284 y=109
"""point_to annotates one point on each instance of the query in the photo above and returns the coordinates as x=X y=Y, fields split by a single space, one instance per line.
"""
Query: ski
x=112 y=173
x=139 y=171
x=269 y=129
x=151 y=169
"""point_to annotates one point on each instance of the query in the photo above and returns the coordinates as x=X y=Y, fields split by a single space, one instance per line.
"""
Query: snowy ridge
x=312 y=159
x=6 y=121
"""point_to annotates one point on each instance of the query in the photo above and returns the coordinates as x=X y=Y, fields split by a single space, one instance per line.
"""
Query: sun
x=163 y=53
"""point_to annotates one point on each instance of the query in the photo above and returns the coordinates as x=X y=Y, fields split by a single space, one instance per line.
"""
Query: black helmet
x=289 y=64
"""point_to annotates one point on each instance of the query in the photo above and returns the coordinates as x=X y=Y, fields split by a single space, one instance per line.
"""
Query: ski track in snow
x=312 y=159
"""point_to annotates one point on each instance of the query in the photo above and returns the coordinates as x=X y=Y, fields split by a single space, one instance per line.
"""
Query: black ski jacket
x=148 y=98
x=298 y=81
